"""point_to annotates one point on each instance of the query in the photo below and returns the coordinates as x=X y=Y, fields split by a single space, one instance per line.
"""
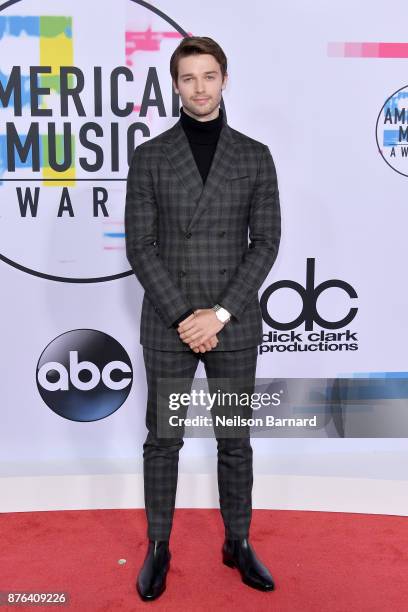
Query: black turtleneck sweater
x=203 y=137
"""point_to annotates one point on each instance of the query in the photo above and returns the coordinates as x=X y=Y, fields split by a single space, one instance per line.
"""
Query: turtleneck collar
x=202 y=131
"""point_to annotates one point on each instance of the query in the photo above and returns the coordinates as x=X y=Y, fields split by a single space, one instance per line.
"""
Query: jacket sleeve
x=142 y=249
x=264 y=236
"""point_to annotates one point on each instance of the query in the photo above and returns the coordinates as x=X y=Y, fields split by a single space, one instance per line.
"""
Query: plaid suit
x=188 y=246
x=161 y=455
x=188 y=243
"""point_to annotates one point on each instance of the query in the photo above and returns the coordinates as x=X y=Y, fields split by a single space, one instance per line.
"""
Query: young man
x=192 y=194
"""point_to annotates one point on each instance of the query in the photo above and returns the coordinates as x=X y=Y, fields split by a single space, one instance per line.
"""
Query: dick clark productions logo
x=84 y=375
x=321 y=340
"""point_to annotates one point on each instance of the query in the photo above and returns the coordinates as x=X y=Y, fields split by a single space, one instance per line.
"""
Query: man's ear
x=175 y=87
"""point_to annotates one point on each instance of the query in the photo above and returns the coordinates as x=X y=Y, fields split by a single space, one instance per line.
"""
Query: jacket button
x=182 y=273
x=188 y=235
x=222 y=271
x=221 y=234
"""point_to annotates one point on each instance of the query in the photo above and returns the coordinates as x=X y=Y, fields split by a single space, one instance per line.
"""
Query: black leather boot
x=151 y=581
x=240 y=554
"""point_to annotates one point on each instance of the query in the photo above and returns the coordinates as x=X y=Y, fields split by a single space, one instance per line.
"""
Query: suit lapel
x=180 y=156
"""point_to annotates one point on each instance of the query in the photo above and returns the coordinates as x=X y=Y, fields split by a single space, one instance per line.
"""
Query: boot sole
x=145 y=598
x=230 y=563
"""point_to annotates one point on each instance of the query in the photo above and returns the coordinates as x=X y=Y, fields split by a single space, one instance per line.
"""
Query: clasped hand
x=200 y=329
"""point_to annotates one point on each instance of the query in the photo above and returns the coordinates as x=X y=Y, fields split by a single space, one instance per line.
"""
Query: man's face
x=200 y=85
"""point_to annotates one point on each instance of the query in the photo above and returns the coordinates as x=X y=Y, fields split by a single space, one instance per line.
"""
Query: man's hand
x=199 y=328
x=207 y=346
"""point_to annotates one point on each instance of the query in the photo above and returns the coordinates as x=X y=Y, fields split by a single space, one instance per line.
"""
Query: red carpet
x=325 y=562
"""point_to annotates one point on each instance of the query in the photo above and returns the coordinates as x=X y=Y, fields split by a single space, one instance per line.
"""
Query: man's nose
x=200 y=86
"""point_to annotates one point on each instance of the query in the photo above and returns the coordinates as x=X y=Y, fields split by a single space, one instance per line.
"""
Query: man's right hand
x=206 y=346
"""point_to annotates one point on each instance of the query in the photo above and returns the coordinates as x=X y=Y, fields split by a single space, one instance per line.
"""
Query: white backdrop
x=342 y=205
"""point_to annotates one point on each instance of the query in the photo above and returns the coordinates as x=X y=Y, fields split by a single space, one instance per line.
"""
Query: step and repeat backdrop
x=324 y=85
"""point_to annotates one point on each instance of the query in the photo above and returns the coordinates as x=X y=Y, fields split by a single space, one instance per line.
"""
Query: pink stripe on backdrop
x=335 y=49
x=353 y=49
x=367 y=49
x=393 y=50
x=370 y=49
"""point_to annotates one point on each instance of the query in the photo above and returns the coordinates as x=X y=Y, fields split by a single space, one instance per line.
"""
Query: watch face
x=223 y=315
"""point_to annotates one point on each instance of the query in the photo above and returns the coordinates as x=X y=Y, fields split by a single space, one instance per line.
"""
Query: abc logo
x=84 y=375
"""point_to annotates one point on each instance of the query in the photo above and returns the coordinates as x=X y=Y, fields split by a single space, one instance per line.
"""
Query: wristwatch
x=221 y=313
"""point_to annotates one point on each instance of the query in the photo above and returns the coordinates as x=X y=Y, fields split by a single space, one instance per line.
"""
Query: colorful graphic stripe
x=391 y=137
x=113 y=235
x=367 y=49
x=56 y=49
x=375 y=385
x=146 y=40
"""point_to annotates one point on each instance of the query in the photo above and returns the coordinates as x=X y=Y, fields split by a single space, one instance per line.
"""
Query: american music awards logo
x=78 y=92
x=322 y=332
x=392 y=131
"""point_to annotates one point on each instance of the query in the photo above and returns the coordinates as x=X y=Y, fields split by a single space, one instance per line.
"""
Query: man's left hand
x=201 y=328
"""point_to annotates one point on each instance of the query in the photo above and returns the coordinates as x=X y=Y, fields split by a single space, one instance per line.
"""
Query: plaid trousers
x=161 y=455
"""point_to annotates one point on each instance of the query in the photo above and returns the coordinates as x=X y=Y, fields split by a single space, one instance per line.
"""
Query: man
x=192 y=194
